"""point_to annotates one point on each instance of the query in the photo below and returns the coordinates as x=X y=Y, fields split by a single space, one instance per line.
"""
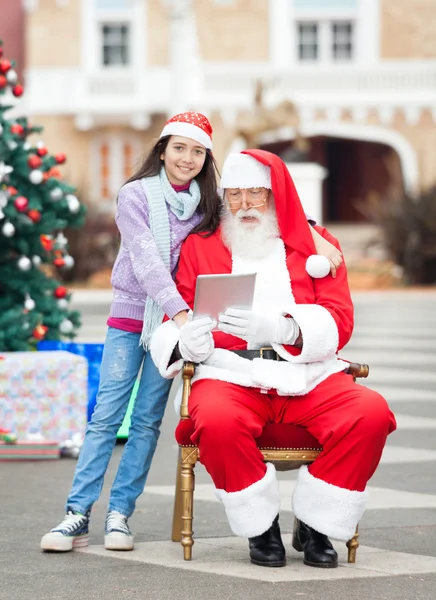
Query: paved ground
x=396 y=335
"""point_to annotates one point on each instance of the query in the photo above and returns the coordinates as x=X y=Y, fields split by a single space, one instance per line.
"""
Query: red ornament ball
x=5 y=65
x=18 y=90
x=34 y=215
x=59 y=262
x=39 y=332
x=3 y=81
x=34 y=162
x=21 y=203
x=61 y=291
x=60 y=158
x=17 y=129
x=42 y=151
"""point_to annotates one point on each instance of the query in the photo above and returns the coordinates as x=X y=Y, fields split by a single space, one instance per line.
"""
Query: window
x=325 y=41
x=342 y=39
x=308 y=41
x=116 y=44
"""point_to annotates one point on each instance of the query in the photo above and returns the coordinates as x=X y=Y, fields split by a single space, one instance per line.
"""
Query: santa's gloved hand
x=196 y=341
x=258 y=328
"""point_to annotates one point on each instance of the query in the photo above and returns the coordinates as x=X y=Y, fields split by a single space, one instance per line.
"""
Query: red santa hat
x=259 y=168
x=192 y=125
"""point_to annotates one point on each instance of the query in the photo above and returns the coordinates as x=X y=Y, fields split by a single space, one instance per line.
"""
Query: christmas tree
x=35 y=206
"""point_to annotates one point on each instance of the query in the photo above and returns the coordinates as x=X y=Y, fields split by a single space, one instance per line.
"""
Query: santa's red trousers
x=350 y=421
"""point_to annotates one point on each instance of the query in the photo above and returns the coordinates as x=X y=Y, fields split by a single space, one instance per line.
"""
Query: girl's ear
x=161 y=156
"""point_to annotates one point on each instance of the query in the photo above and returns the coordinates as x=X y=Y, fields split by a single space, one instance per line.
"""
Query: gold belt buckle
x=264 y=349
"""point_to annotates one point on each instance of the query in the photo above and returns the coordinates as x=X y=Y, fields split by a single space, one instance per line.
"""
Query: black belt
x=265 y=353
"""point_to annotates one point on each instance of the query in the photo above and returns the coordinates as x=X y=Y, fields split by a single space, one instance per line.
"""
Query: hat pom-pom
x=318 y=266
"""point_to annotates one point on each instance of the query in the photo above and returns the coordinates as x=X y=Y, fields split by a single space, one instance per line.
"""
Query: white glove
x=258 y=328
x=196 y=341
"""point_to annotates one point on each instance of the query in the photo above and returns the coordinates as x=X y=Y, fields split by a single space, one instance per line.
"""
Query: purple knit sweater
x=139 y=270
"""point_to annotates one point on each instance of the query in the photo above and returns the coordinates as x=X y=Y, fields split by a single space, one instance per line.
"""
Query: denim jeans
x=122 y=359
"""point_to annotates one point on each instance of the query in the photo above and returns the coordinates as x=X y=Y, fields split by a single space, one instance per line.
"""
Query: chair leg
x=177 y=513
x=187 y=488
x=352 y=546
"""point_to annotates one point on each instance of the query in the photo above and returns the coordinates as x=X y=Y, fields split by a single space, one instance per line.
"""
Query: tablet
x=214 y=294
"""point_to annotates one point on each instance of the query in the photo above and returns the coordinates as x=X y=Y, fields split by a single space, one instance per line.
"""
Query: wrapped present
x=47 y=450
x=43 y=394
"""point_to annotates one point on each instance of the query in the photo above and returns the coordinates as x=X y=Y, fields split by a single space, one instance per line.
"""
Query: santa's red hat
x=192 y=125
x=240 y=171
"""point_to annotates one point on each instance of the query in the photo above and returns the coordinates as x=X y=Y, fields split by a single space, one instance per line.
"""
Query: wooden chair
x=286 y=446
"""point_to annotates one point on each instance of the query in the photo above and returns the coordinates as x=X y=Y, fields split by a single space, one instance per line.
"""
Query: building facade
x=103 y=75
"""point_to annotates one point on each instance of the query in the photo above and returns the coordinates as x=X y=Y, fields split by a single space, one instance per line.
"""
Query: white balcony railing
x=229 y=86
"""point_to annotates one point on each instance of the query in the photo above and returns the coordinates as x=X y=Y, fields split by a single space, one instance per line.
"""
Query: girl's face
x=183 y=159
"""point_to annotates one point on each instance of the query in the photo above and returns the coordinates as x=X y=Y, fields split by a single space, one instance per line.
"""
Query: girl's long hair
x=210 y=202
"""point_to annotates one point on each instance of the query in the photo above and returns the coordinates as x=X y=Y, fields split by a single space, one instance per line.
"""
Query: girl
x=173 y=194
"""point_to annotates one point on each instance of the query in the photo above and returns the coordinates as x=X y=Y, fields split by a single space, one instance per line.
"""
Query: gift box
x=43 y=394
x=93 y=354
x=29 y=451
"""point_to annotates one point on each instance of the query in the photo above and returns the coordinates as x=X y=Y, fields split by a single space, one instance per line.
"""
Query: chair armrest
x=358 y=370
x=187 y=375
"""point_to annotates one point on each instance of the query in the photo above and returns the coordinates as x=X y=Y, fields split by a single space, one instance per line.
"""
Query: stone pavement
x=396 y=335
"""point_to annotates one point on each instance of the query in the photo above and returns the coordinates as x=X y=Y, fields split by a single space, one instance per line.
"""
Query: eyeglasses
x=254 y=197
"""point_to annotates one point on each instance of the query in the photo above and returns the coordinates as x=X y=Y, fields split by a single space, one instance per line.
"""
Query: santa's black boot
x=317 y=548
x=267 y=549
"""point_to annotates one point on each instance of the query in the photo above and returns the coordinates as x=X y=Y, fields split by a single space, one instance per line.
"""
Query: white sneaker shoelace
x=115 y=521
x=70 y=523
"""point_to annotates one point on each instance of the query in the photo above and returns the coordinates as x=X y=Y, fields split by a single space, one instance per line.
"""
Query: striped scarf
x=159 y=192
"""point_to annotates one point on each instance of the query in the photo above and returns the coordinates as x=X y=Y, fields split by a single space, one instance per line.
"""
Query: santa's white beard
x=250 y=240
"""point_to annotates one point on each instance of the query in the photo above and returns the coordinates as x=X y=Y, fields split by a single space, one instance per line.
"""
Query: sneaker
x=118 y=535
x=71 y=533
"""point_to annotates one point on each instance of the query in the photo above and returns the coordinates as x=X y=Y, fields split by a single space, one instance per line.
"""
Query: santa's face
x=183 y=159
x=250 y=231
x=246 y=200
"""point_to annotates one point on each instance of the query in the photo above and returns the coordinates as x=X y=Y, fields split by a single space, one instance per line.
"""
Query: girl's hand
x=180 y=318
x=325 y=248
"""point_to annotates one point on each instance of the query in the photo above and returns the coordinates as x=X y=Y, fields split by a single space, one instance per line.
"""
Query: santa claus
x=304 y=316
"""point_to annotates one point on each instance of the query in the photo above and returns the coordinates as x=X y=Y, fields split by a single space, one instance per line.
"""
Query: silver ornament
x=29 y=303
x=56 y=193
x=73 y=203
x=36 y=176
x=62 y=303
x=36 y=260
x=8 y=229
x=66 y=326
x=69 y=261
x=24 y=263
x=12 y=77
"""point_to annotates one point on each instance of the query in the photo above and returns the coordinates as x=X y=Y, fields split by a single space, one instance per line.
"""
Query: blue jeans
x=122 y=359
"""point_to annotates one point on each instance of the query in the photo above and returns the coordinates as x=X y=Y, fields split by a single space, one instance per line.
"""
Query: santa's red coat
x=322 y=308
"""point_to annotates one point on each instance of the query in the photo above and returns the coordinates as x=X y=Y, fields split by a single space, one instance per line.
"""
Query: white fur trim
x=188 y=130
x=162 y=345
x=273 y=292
x=252 y=510
x=317 y=266
x=243 y=171
x=319 y=330
x=329 y=509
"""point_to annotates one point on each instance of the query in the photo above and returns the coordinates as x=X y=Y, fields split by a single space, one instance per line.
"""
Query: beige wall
x=236 y=32
x=53 y=35
x=408 y=29
x=157 y=33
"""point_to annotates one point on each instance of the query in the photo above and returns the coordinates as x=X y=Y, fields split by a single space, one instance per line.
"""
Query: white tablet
x=214 y=294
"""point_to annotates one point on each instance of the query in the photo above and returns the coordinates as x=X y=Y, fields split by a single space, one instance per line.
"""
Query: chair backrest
x=354 y=369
